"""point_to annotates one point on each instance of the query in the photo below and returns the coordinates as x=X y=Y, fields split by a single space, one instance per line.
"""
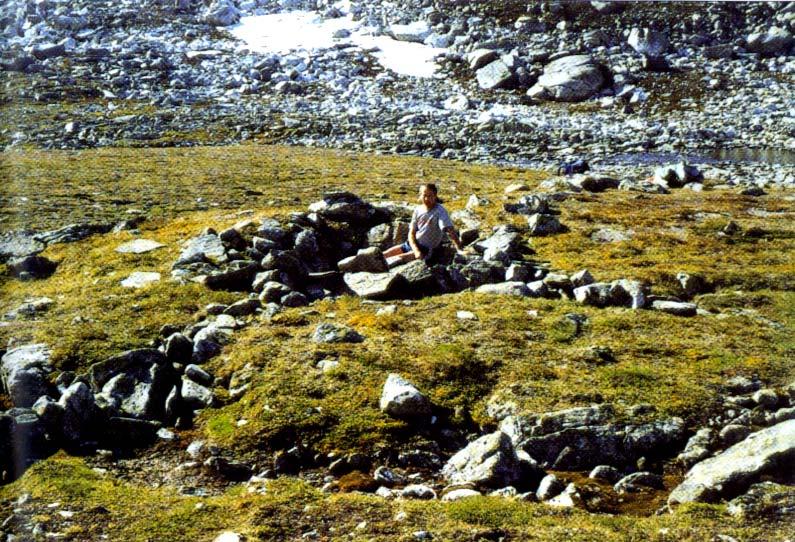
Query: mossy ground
x=521 y=350
x=106 y=509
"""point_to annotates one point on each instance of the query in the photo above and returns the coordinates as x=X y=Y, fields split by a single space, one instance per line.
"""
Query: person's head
x=429 y=195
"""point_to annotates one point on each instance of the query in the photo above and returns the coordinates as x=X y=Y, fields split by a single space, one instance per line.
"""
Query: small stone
x=139 y=279
x=139 y=246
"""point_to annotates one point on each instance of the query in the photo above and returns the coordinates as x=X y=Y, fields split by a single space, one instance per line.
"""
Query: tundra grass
x=523 y=354
x=103 y=508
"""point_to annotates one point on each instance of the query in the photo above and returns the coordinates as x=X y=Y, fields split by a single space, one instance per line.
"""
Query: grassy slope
x=532 y=359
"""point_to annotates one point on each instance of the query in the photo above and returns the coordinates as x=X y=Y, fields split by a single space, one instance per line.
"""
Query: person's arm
x=453 y=235
x=413 y=239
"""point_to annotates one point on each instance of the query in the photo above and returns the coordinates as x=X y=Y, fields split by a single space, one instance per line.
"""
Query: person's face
x=427 y=197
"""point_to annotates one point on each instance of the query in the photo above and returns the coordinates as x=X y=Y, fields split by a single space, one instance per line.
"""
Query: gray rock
x=606 y=473
x=489 y=461
x=773 y=42
x=346 y=207
x=568 y=499
x=416 y=31
x=196 y=396
x=731 y=472
x=273 y=292
x=401 y=399
x=130 y=361
x=24 y=371
x=596 y=294
x=458 y=494
x=569 y=79
x=369 y=260
x=691 y=284
x=418 y=279
x=647 y=42
x=764 y=501
x=594 y=183
x=698 y=447
x=581 y=278
x=678 y=175
x=541 y=224
x=238 y=276
x=766 y=398
x=505 y=288
x=18 y=244
x=138 y=246
x=638 y=480
x=294 y=299
x=480 y=57
x=388 y=477
x=222 y=13
x=178 y=348
x=81 y=417
x=550 y=486
x=140 y=279
x=244 y=307
x=203 y=248
x=140 y=391
x=677 y=308
x=733 y=433
x=494 y=75
x=418 y=491
x=199 y=375
x=335 y=333
x=374 y=285
x=32 y=267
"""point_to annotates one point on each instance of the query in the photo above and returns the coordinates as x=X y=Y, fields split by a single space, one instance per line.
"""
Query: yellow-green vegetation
x=518 y=350
x=289 y=508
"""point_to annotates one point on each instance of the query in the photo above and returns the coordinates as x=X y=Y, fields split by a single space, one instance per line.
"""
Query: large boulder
x=401 y=399
x=505 y=288
x=82 y=419
x=24 y=371
x=769 y=451
x=570 y=79
x=140 y=392
x=414 y=32
x=584 y=437
x=347 y=207
x=203 y=248
x=370 y=260
x=18 y=244
x=418 y=279
x=131 y=361
x=374 y=285
x=775 y=41
x=647 y=42
x=237 y=277
x=494 y=75
x=489 y=461
x=222 y=13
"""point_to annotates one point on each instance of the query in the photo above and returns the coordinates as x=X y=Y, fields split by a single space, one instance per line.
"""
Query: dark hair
x=432 y=187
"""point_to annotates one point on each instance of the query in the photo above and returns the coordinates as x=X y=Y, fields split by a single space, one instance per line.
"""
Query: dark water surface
x=744 y=155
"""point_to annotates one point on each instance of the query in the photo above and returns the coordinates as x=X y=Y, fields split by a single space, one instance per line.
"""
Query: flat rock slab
x=675 y=307
x=139 y=246
x=731 y=472
x=19 y=244
x=139 y=279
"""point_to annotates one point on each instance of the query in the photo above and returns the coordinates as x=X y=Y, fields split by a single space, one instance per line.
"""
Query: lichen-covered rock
x=370 y=260
x=489 y=461
x=569 y=79
x=401 y=399
x=335 y=333
x=769 y=451
x=24 y=372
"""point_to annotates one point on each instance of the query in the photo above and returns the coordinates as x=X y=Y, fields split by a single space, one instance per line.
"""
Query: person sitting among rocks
x=428 y=221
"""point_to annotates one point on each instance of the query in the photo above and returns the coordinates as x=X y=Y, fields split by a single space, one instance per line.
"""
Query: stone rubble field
x=203 y=341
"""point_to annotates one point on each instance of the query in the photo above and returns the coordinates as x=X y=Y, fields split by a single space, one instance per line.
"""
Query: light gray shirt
x=430 y=225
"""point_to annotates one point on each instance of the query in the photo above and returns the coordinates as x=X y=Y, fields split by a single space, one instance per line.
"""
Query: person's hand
x=418 y=254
